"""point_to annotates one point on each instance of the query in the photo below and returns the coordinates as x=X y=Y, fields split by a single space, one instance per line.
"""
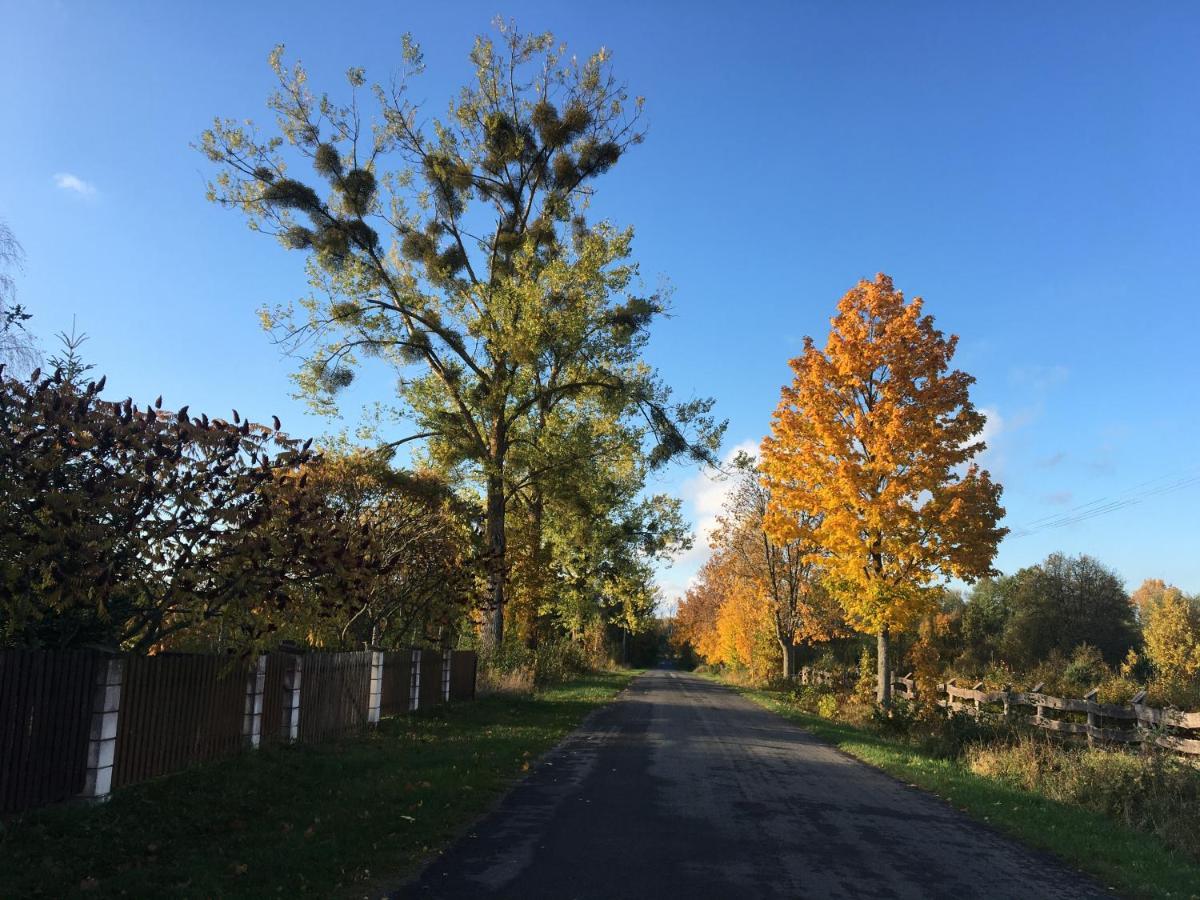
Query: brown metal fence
x=463 y=664
x=177 y=710
x=430 y=692
x=334 y=689
x=396 y=691
x=45 y=717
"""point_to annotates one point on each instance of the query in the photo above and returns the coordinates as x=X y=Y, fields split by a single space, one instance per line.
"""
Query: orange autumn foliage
x=875 y=438
x=726 y=621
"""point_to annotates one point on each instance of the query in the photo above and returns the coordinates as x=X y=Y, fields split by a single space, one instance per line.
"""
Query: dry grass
x=1151 y=792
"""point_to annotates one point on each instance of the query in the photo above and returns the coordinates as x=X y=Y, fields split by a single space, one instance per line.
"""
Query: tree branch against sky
x=458 y=251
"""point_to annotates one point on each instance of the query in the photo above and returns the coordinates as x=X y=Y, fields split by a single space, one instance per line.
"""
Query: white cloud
x=68 y=182
x=704 y=496
x=707 y=492
x=992 y=426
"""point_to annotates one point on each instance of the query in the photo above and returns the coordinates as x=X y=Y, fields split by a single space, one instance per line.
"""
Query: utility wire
x=1163 y=484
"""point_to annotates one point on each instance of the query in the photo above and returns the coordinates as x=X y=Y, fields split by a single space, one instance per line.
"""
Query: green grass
x=349 y=818
x=1133 y=863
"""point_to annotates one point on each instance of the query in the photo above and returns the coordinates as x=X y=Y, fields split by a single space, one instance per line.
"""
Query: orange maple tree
x=874 y=441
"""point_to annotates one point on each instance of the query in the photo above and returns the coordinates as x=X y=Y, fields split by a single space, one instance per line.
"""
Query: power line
x=1162 y=484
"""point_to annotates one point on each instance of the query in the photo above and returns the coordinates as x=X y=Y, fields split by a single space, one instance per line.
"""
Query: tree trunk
x=883 y=688
x=789 y=651
x=496 y=557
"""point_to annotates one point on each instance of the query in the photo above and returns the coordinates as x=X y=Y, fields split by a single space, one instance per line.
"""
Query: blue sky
x=1029 y=169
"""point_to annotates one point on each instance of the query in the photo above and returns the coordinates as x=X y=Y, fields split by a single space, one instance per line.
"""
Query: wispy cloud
x=1039 y=378
x=1058 y=498
x=73 y=183
x=1052 y=460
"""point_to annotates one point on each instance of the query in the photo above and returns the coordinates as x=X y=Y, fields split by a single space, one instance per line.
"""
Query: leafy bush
x=827 y=707
x=556 y=660
x=898 y=720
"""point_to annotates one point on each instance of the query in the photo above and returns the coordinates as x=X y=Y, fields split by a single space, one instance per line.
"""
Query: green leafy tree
x=1063 y=602
x=457 y=251
x=986 y=616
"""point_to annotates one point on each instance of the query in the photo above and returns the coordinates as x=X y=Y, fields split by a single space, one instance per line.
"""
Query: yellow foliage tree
x=875 y=438
x=746 y=631
x=1172 y=633
x=695 y=622
x=782 y=576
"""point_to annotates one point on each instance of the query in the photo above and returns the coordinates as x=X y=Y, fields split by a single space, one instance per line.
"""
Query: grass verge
x=347 y=818
x=1132 y=863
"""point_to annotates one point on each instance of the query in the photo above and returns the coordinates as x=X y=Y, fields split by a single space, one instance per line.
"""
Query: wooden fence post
x=414 y=691
x=292 y=677
x=978 y=705
x=1039 y=709
x=256 y=684
x=375 y=698
x=102 y=740
x=1090 y=697
x=446 y=657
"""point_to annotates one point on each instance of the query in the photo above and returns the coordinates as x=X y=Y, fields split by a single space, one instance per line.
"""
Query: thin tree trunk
x=883 y=689
x=496 y=556
x=788 y=651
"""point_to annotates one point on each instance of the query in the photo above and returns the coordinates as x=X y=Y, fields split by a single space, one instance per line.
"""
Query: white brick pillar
x=414 y=691
x=102 y=740
x=446 y=657
x=292 y=677
x=256 y=684
x=375 y=694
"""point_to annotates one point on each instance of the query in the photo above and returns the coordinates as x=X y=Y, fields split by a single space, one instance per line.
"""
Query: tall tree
x=875 y=436
x=489 y=293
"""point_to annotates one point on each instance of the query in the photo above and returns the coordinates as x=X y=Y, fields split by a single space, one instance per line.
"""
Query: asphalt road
x=682 y=788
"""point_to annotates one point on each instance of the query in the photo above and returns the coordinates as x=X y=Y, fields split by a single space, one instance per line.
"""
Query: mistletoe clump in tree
x=458 y=251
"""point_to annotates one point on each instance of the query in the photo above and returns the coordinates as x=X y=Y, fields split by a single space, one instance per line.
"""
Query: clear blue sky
x=1032 y=170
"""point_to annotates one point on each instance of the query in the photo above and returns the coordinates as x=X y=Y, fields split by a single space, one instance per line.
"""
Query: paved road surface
x=682 y=788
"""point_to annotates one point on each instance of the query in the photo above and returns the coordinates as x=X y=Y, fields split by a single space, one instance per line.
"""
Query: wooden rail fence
x=1099 y=723
x=79 y=724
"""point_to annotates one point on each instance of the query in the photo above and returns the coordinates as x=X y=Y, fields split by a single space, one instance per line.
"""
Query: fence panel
x=431 y=679
x=45 y=718
x=334 y=694
x=463 y=665
x=397 y=682
x=177 y=710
